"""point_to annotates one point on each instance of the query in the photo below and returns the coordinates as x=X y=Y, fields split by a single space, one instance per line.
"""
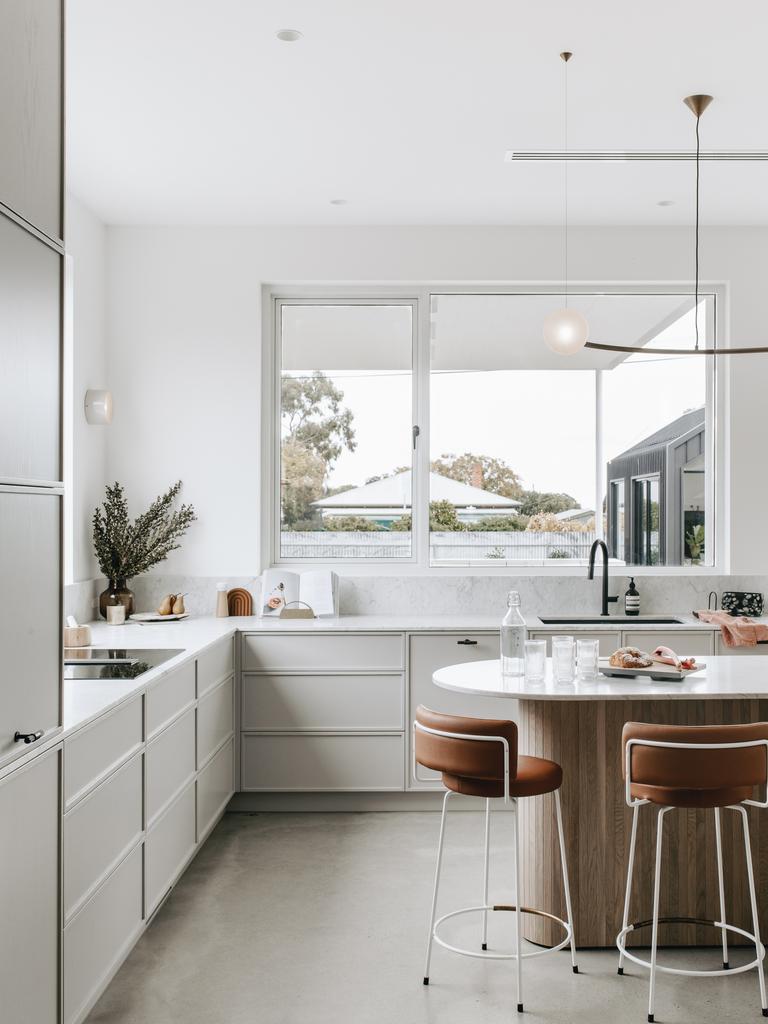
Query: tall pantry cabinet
x=31 y=496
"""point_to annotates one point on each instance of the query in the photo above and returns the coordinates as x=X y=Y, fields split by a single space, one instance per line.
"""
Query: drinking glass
x=586 y=658
x=563 y=659
x=535 y=660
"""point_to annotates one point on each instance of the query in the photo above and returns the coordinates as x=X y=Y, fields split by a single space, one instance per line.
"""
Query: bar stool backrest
x=688 y=768
x=481 y=760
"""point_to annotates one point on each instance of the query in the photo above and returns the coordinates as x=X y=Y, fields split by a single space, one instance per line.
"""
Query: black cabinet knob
x=28 y=737
x=467 y=643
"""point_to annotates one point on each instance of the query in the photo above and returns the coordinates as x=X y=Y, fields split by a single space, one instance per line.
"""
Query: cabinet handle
x=467 y=643
x=28 y=737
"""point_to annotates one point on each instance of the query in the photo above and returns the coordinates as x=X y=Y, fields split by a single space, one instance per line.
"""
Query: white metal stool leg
x=485 y=870
x=630 y=870
x=656 y=888
x=721 y=884
x=753 y=901
x=518 y=913
x=566 y=884
x=438 y=865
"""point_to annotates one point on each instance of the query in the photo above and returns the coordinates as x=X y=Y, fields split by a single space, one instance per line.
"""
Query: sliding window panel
x=30 y=357
x=345 y=430
x=30 y=615
x=31 y=123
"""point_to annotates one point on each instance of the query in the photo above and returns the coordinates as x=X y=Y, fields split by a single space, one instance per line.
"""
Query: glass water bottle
x=513 y=636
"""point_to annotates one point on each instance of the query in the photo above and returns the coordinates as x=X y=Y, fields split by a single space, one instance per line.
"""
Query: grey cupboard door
x=30 y=615
x=30 y=356
x=29 y=892
x=31 y=134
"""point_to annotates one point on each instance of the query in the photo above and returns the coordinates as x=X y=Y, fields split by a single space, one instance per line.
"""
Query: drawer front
x=607 y=642
x=215 y=720
x=215 y=786
x=296 y=703
x=214 y=664
x=323 y=652
x=99 y=831
x=720 y=648
x=169 y=696
x=98 y=938
x=168 y=846
x=431 y=652
x=170 y=763
x=696 y=642
x=95 y=751
x=326 y=763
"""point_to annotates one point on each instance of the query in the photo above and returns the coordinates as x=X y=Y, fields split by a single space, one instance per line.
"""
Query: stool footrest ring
x=502 y=955
x=621 y=939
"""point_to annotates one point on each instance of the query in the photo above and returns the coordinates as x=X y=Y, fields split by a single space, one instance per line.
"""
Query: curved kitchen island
x=579 y=725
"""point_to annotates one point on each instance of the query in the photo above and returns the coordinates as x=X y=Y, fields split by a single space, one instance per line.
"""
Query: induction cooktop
x=113 y=662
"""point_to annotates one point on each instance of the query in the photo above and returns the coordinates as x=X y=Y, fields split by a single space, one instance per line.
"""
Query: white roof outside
x=395 y=492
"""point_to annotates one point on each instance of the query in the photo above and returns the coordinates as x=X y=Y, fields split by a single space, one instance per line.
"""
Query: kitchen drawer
x=91 y=754
x=428 y=653
x=215 y=664
x=168 y=846
x=323 y=652
x=170 y=763
x=215 y=719
x=720 y=648
x=306 y=702
x=607 y=642
x=99 y=937
x=100 y=830
x=694 y=642
x=317 y=762
x=215 y=786
x=169 y=696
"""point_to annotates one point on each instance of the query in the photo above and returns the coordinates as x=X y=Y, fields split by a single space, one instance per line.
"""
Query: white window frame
x=419 y=296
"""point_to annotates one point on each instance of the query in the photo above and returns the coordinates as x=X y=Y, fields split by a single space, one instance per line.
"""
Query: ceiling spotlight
x=339 y=202
x=666 y=202
x=289 y=35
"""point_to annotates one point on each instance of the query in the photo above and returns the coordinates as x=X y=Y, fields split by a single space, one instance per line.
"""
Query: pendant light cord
x=696 y=249
x=565 y=104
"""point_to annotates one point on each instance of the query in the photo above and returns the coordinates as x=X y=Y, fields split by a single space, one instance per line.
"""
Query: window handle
x=415 y=431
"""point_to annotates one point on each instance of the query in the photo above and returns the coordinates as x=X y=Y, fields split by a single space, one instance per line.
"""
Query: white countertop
x=86 y=699
x=724 y=676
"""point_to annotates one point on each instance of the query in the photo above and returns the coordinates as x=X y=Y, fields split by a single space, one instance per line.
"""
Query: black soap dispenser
x=632 y=599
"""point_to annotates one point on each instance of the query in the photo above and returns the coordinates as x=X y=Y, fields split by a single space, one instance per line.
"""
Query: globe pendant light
x=566 y=330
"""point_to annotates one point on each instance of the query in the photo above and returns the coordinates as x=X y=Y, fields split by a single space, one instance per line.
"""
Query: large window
x=439 y=429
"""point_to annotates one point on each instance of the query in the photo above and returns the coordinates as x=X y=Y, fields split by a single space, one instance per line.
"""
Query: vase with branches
x=125 y=548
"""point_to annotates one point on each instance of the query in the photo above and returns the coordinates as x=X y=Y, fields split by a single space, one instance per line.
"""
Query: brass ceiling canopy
x=698 y=103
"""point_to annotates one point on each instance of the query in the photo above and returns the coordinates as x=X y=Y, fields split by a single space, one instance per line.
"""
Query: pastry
x=630 y=657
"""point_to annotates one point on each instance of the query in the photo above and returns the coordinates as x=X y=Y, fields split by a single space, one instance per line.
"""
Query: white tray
x=661 y=673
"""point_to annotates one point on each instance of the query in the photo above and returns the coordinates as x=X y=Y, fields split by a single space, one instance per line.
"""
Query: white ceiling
x=192 y=112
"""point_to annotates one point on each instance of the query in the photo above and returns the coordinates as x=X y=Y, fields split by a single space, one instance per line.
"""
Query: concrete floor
x=320 y=918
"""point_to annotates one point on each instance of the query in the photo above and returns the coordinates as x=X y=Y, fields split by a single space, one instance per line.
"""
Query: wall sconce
x=98 y=407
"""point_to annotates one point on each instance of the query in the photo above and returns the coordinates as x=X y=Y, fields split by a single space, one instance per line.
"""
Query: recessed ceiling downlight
x=289 y=35
x=666 y=202
x=339 y=202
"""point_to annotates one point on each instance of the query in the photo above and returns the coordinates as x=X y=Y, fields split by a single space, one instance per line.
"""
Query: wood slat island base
x=584 y=737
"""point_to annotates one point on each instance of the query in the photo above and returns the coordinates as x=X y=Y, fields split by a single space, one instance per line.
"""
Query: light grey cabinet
x=169 y=845
x=31 y=128
x=30 y=357
x=694 y=642
x=608 y=642
x=430 y=652
x=30 y=615
x=30 y=891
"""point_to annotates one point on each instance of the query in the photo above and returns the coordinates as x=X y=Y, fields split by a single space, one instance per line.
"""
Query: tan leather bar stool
x=478 y=757
x=710 y=766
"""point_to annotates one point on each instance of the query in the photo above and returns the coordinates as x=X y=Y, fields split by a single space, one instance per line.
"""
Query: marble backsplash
x=441 y=595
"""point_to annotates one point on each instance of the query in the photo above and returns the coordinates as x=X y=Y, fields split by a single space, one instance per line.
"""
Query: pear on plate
x=178 y=605
x=165 y=606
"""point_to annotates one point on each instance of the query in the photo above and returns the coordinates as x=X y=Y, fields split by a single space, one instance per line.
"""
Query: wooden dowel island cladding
x=584 y=737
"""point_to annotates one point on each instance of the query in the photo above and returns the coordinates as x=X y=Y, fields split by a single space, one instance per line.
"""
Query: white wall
x=184 y=329
x=86 y=244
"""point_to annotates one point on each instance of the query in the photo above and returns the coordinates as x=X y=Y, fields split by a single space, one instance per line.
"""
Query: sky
x=541 y=423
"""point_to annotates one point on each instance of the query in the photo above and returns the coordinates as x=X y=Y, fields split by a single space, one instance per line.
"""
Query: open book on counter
x=319 y=589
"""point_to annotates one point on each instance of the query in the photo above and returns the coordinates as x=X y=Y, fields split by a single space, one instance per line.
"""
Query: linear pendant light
x=697 y=104
x=566 y=330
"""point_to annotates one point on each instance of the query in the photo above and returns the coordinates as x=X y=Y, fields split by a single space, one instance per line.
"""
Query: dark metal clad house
x=656 y=495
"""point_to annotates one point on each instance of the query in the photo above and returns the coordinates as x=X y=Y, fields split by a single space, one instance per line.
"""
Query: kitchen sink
x=609 y=620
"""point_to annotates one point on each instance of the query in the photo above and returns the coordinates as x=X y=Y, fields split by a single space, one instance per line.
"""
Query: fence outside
x=459 y=546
